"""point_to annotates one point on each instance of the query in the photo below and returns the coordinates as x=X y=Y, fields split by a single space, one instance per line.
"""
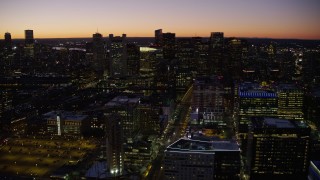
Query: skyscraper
x=158 y=37
x=115 y=154
x=208 y=100
x=169 y=45
x=29 y=37
x=256 y=100
x=29 y=43
x=126 y=108
x=133 y=63
x=278 y=149
x=98 y=52
x=216 y=50
x=290 y=101
x=118 y=55
x=7 y=40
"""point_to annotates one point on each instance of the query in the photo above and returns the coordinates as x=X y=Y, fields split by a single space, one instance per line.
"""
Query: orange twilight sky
x=299 y=19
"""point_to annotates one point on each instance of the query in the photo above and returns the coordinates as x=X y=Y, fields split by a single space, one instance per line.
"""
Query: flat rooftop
x=202 y=146
x=65 y=115
x=269 y=122
x=121 y=100
x=255 y=90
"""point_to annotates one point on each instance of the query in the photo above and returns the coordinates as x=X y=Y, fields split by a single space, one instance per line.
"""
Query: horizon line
x=176 y=37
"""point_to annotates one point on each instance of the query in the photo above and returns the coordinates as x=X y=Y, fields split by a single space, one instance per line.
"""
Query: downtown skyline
x=286 y=19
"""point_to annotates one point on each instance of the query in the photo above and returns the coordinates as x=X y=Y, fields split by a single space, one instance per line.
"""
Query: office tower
x=208 y=101
x=148 y=115
x=256 y=100
x=193 y=159
x=278 y=149
x=148 y=60
x=290 y=101
x=185 y=68
x=158 y=37
x=169 y=45
x=201 y=56
x=98 y=51
x=126 y=108
x=7 y=40
x=237 y=54
x=118 y=55
x=310 y=69
x=216 y=52
x=29 y=43
x=29 y=37
x=133 y=62
x=115 y=154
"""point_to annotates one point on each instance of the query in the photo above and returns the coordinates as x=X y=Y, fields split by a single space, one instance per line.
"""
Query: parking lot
x=39 y=157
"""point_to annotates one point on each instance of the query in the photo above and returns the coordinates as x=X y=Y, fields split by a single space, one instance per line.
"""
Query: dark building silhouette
x=158 y=37
x=201 y=56
x=193 y=159
x=98 y=51
x=237 y=54
x=133 y=62
x=29 y=37
x=169 y=45
x=118 y=55
x=29 y=43
x=115 y=154
x=7 y=40
x=216 y=52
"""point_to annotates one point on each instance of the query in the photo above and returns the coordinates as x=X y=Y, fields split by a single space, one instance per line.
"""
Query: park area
x=40 y=157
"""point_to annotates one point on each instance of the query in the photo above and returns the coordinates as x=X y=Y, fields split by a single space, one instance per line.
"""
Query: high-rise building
x=237 y=54
x=29 y=43
x=98 y=51
x=256 y=100
x=169 y=45
x=148 y=115
x=193 y=159
x=216 y=52
x=278 y=149
x=208 y=101
x=290 y=101
x=126 y=108
x=133 y=62
x=185 y=68
x=118 y=55
x=29 y=37
x=7 y=40
x=201 y=56
x=158 y=37
x=115 y=153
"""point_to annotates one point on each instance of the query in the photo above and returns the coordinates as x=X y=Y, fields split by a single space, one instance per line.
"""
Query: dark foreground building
x=278 y=149
x=192 y=159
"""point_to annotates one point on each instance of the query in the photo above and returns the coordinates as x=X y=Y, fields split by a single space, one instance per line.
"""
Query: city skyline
x=292 y=19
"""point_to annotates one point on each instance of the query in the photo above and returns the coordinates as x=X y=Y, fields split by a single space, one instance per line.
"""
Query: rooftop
x=269 y=122
x=255 y=90
x=202 y=146
x=65 y=115
x=121 y=100
x=287 y=86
